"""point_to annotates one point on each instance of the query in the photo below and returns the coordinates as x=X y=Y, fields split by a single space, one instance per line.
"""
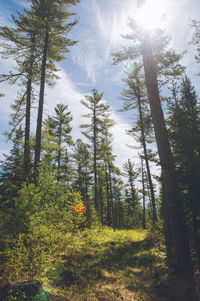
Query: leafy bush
x=43 y=216
x=26 y=257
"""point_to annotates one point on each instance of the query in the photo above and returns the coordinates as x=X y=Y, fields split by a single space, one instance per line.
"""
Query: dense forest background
x=59 y=193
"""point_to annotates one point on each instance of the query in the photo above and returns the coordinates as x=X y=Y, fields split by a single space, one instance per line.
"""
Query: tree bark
x=107 y=197
x=59 y=153
x=116 y=207
x=174 y=216
x=95 y=164
x=143 y=198
x=101 y=203
x=111 y=196
x=27 y=129
x=147 y=162
x=41 y=104
x=28 y=115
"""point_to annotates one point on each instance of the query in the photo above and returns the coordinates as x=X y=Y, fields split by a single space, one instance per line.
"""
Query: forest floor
x=105 y=265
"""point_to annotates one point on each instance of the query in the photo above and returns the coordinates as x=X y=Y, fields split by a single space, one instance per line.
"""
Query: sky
x=89 y=64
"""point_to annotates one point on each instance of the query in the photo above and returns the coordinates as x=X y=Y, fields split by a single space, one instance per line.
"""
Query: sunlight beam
x=151 y=14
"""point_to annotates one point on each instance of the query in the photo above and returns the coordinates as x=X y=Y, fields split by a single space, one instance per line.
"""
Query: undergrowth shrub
x=26 y=257
x=44 y=220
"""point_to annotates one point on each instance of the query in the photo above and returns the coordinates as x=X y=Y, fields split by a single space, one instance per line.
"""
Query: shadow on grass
x=117 y=271
x=105 y=265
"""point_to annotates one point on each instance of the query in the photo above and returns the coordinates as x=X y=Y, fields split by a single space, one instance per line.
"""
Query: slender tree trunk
x=147 y=162
x=119 y=212
x=41 y=104
x=59 y=155
x=79 y=178
x=95 y=164
x=111 y=196
x=66 y=171
x=107 y=197
x=116 y=209
x=101 y=203
x=87 y=201
x=174 y=215
x=143 y=198
x=132 y=193
x=28 y=116
x=27 y=129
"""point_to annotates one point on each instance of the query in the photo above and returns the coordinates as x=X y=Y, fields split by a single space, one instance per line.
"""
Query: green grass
x=106 y=265
x=103 y=264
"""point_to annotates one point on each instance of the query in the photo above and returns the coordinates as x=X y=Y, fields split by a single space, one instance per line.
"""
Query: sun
x=151 y=14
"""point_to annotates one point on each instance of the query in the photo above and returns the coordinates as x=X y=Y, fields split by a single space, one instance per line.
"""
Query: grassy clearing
x=105 y=265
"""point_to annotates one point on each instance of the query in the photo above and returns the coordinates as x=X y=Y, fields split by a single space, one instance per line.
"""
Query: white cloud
x=121 y=141
x=87 y=57
x=67 y=93
x=112 y=23
x=93 y=52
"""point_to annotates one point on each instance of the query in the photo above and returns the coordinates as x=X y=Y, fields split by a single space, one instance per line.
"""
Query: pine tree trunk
x=95 y=165
x=147 y=163
x=41 y=104
x=120 y=214
x=132 y=193
x=66 y=177
x=174 y=219
x=107 y=198
x=111 y=196
x=28 y=116
x=143 y=198
x=101 y=203
x=87 y=202
x=116 y=208
x=59 y=157
x=27 y=129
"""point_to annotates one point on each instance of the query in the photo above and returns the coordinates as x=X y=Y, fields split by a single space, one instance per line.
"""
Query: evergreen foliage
x=68 y=218
x=59 y=129
x=184 y=110
x=97 y=132
x=134 y=97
